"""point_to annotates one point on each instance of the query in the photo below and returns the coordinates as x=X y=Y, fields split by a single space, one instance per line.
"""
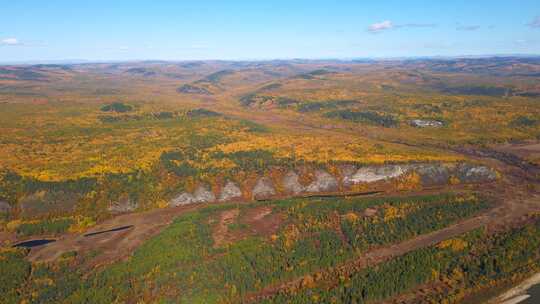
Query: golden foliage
x=81 y=224
x=394 y=212
x=290 y=235
x=351 y=217
x=454 y=244
x=454 y=180
x=411 y=181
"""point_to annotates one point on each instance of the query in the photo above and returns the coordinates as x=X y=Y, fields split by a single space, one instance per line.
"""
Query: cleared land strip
x=375 y=256
x=118 y=237
x=115 y=245
x=379 y=255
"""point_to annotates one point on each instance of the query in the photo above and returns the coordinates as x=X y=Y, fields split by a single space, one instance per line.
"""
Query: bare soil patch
x=233 y=226
x=115 y=244
x=221 y=234
x=7 y=237
x=261 y=221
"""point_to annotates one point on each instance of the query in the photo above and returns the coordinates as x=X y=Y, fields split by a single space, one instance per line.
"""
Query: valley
x=296 y=181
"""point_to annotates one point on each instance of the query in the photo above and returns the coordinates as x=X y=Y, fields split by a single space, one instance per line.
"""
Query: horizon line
x=373 y=58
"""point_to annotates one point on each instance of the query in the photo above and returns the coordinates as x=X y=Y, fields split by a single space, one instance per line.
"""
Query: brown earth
x=516 y=194
x=259 y=221
x=529 y=151
x=501 y=216
x=7 y=237
x=115 y=245
x=262 y=221
x=221 y=234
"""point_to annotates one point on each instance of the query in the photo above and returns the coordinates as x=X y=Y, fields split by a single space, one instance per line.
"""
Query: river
x=534 y=293
x=528 y=292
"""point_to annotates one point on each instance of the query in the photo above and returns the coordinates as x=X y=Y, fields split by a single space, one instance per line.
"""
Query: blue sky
x=184 y=30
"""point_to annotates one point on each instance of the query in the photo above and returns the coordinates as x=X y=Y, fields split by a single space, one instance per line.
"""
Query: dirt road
x=497 y=218
x=517 y=194
x=113 y=245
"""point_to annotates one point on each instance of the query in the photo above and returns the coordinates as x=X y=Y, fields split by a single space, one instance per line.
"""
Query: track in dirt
x=504 y=215
x=515 y=199
x=113 y=239
x=517 y=195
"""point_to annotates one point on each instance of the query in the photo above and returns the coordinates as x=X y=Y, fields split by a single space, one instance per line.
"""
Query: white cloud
x=389 y=25
x=10 y=41
x=381 y=26
x=535 y=23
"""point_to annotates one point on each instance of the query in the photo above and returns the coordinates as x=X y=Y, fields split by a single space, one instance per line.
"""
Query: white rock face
x=182 y=199
x=347 y=171
x=263 y=189
x=372 y=174
x=291 y=183
x=229 y=192
x=469 y=173
x=203 y=195
x=323 y=182
x=420 y=123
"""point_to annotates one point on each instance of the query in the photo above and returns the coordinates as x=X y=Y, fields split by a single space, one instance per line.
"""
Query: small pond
x=34 y=243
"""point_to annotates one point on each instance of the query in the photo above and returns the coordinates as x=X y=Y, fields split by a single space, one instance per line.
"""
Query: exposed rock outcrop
x=433 y=174
x=292 y=184
x=324 y=182
x=347 y=171
x=203 y=195
x=124 y=204
x=200 y=195
x=422 y=123
x=264 y=188
x=468 y=173
x=229 y=192
x=182 y=199
x=370 y=174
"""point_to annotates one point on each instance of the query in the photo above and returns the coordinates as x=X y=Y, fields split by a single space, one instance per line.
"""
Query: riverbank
x=517 y=294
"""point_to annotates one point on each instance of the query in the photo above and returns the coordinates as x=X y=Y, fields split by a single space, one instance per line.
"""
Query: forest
x=314 y=234
x=294 y=181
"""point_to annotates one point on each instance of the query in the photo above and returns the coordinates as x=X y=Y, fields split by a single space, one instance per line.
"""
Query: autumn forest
x=281 y=181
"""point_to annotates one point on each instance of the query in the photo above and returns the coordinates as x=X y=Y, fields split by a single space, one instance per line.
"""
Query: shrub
x=49 y=226
x=192 y=89
x=523 y=121
x=317 y=106
x=367 y=117
x=14 y=270
x=117 y=107
x=202 y=113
